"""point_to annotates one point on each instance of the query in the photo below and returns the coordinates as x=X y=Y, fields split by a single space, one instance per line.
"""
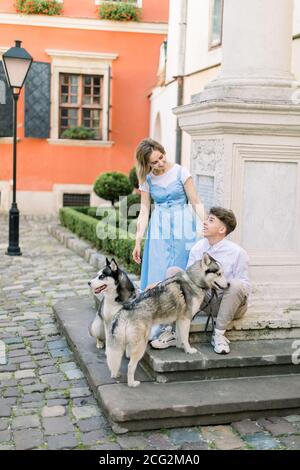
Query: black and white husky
x=112 y=287
x=175 y=299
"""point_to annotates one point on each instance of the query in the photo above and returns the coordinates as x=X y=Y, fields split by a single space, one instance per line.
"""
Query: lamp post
x=17 y=63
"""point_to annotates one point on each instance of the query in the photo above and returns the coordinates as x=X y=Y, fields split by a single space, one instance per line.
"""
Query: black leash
x=210 y=314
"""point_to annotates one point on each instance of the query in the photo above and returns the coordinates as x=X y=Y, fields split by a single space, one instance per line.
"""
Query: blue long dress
x=171 y=231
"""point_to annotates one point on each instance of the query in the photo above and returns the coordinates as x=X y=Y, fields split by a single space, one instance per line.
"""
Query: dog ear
x=113 y=265
x=107 y=262
x=205 y=261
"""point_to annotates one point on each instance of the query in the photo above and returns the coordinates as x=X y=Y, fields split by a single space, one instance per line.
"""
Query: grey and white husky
x=112 y=287
x=175 y=299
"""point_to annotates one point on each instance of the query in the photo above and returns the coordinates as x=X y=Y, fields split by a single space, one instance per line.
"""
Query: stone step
x=247 y=358
x=253 y=326
x=156 y=406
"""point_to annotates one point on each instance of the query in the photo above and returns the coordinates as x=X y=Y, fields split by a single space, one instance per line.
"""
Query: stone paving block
x=53 y=411
x=132 y=442
x=21 y=422
x=65 y=441
x=35 y=388
x=6 y=447
x=90 y=424
x=246 y=427
x=261 y=441
x=25 y=440
x=84 y=412
x=109 y=446
x=58 y=425
x=222 y=437
x=59 y=344
x=159 y=442
x=92 y=437
x=33 y=397
x=5 y=436
x=65 y=352
x=74 y=374
x=48 y=370
x=28 y=365
x=4 y=422
x=291 y=442
x=5 y=376
x=195 y=446
x=293 y=418
x=181 y=436
x=5 y=408
x=11 y=392
x=80 y=392
x=279 y=428
x=26 y=373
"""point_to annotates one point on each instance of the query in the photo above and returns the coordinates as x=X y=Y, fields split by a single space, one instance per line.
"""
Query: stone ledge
x=158 y=405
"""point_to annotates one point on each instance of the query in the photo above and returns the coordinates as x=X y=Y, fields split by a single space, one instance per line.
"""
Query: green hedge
x=87 y=227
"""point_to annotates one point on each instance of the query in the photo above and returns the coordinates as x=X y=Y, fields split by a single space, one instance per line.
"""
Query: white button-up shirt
x=232 y=257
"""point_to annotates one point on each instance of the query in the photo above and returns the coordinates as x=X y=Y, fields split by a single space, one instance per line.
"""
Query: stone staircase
x=258 y=377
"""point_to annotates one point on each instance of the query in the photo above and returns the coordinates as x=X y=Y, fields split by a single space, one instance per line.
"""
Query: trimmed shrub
x=117 y=242
x=133 y=178
x=110 y=186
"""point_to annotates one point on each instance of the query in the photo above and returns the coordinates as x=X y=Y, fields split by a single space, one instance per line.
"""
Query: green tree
x=110 y=186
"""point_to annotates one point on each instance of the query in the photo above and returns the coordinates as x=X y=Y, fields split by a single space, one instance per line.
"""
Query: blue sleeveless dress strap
x=171 y=231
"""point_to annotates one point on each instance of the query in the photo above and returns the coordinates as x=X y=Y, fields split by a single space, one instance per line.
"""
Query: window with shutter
x=37 y=101
x=6 y=106
x=81 y=103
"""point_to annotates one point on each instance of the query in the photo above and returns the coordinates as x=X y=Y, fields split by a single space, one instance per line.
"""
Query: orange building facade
x=86 y=72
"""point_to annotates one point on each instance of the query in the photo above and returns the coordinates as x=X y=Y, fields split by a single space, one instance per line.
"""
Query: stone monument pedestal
x=245 y=130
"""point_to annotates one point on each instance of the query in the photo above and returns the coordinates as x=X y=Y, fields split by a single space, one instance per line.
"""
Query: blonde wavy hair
x=142 y=155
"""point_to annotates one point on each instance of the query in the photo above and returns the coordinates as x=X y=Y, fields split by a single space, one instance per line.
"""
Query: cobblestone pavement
x=45 y=401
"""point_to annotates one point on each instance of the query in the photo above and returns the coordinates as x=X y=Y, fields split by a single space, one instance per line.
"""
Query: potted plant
x=38 y=7
x=125 y=10
x=80 y=133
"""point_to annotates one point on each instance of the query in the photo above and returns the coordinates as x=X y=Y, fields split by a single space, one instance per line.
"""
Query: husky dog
x=175 y=299
x=112 y=287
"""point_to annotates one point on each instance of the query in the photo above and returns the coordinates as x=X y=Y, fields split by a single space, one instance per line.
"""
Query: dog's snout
x=228 y=285
x=89 y=283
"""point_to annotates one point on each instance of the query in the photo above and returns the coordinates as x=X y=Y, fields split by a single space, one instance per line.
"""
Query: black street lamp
x=17 y=63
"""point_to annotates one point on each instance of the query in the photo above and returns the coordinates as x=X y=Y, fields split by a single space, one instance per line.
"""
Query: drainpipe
x=180 y=77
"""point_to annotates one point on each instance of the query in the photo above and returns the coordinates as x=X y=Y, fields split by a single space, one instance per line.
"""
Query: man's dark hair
x=226 y=216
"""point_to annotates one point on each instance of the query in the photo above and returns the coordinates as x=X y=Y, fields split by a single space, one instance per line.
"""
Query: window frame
x=79 y=105
x=213 y=44
x=81 y=63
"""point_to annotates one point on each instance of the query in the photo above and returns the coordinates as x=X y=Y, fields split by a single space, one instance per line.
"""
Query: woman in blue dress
x=172 y=228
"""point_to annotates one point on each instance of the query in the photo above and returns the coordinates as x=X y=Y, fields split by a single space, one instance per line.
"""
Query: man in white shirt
x=231 y=303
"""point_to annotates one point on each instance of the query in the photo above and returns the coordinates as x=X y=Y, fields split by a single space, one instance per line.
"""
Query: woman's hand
x=136 y=254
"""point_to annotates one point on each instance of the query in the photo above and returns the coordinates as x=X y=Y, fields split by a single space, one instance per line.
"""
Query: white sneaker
x=165 y=340
x=220 y=342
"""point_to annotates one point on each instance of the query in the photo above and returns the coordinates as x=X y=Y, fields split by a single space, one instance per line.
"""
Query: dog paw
x=192 y=351
x=135 y=383
x=99 y=344
x=115 y=376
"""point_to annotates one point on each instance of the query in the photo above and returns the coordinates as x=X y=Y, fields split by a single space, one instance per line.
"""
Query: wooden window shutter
x=37 y=101
x=6 y=109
